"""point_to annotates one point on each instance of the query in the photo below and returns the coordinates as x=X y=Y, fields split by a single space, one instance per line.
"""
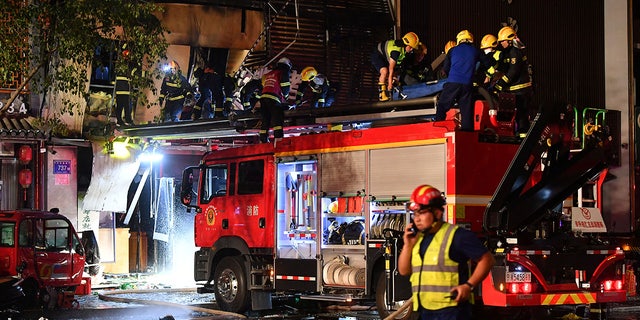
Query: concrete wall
x=62 y=181
x=618 y=87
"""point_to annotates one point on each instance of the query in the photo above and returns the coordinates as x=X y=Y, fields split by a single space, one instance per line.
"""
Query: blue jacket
x=460 y=64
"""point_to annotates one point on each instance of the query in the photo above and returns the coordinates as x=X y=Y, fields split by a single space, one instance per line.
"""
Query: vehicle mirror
x=186 y=191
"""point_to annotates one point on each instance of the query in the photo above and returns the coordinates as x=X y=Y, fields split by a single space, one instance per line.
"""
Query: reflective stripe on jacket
x=434 y=275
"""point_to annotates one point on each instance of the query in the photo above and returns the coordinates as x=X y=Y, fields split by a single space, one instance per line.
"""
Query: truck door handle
x=225 y=223
x=262 y=222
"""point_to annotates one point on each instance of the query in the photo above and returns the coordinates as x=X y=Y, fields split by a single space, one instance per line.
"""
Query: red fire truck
x=314 y=214
x=44 y=250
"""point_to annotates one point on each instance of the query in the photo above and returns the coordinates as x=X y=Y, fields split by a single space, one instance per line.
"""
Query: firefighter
x=323 y=91
x=436 y=256
x=174 y=90
x=275 y=92
x=386 y=56
x=516 y=77
x=204 y=105
x=123 y=91
x=229 y=85
x=488 y=45
x=460 y=66
x=250 y=94
x=415 y=68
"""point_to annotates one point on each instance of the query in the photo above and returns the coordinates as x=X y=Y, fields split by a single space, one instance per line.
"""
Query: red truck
x=44 y=250
x=312 y=214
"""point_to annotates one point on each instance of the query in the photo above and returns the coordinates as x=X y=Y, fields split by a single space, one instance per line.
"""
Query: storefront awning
x=110 y=181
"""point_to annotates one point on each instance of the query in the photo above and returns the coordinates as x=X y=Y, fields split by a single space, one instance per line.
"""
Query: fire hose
x=406 y=305
x=108 y=297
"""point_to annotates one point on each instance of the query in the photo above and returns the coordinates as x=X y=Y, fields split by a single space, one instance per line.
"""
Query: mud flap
x=261 y=300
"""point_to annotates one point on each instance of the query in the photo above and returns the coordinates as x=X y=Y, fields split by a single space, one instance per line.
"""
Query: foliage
x=51 y=44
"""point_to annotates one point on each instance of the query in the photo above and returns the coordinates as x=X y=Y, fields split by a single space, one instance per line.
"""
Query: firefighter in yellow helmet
x=460 y=67
x=386 y=56
x=436 y=256
x=488 y=46
x=516 y=76
x=322 y=90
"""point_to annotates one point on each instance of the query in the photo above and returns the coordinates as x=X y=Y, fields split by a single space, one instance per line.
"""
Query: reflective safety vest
x=434 y=275
x=385 y=48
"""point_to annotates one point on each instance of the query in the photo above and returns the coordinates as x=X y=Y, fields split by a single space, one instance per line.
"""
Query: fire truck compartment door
x=396 y=171
x=343 y=172
x=296 y=274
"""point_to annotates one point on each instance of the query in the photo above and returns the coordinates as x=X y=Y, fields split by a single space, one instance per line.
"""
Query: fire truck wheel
x=381 y=297
x=231 y=285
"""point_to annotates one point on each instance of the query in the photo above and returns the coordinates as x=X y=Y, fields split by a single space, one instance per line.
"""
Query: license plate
x=518 y=277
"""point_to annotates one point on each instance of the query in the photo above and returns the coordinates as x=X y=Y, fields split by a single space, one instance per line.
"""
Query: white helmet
x=285 y=61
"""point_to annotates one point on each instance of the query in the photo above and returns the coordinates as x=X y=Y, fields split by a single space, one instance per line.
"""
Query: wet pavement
x=144 y=297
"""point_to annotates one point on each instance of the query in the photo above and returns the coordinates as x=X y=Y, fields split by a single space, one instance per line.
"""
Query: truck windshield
x=7 y=234
x=47 y=235
x=214 y=182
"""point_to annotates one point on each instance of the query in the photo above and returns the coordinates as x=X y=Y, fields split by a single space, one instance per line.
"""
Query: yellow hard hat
x=488 y=41
x=411 y=39
x=506 y=33
x=308 y=73
x=333 y=207
x=464 y=36
x=450 y=44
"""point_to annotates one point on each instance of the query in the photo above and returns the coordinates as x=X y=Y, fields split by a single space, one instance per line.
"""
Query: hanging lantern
x=25 y=154
x=25 y=178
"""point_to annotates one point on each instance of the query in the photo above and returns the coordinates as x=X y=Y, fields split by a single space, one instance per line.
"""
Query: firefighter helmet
x=488 y=41
x=426 y=196
x=285 y=61
x=411 y=39
x=450 y=44
x=464 y=36
x=506 y=34
x=308 y=73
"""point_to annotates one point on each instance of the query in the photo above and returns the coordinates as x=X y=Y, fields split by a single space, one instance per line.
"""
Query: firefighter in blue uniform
x=436 y=257
x=174 y=90
x=229 y=84
x=460 y=65
x=204 y=105
x=250 y=94
x=515 y=77
x=275 y=91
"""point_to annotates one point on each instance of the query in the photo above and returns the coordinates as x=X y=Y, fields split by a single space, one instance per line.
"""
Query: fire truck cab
x=43 y=249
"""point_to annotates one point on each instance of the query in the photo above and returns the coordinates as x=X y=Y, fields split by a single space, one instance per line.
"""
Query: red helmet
x=426 y=196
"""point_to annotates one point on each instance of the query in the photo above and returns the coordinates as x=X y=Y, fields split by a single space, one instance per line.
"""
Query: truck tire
x=231 y=289
x=381 y=305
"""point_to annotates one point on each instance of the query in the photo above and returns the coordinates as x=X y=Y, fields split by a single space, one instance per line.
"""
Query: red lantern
x=25 y=178
x=25 y=154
